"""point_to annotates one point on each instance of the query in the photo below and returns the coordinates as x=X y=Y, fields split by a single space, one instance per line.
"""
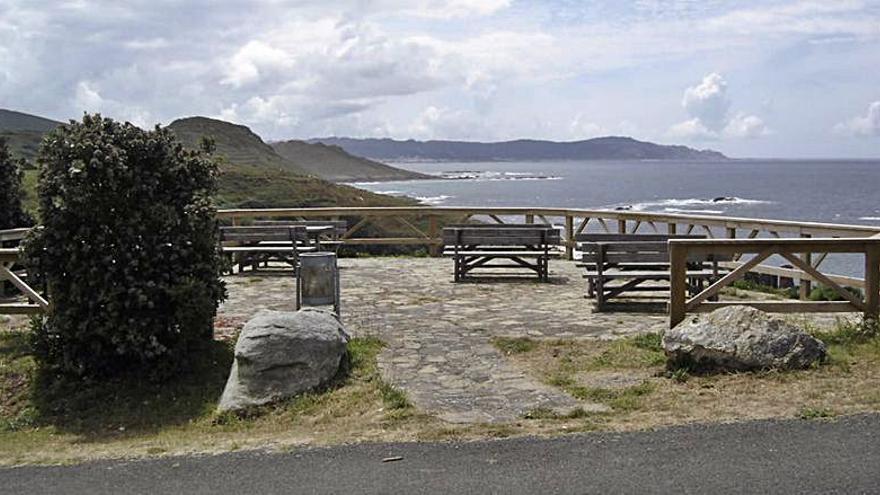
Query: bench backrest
x=606 y=237
x=636 y=252
x=501 y=235
x=255 y=234
x=340 y=227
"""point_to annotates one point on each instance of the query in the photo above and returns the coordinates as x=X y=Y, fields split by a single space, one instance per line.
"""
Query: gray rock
x=283 y=354
x=740 y=338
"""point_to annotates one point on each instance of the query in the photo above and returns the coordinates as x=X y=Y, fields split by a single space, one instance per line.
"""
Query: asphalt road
x=758 y=457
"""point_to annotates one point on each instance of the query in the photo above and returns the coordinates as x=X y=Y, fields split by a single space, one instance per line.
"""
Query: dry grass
x=848 y=383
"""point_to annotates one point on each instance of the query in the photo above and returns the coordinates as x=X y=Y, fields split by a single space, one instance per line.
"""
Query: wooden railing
x=793 y=250
x=423 y=227
x=36 y=304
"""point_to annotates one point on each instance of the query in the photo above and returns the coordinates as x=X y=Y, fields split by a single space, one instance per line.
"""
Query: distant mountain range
x=603 y=148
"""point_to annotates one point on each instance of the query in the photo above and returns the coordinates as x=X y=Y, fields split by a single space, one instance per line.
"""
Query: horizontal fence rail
x=793 y=250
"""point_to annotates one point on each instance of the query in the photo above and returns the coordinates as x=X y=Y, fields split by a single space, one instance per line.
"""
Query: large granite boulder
x=740 y=338
x=282 y=354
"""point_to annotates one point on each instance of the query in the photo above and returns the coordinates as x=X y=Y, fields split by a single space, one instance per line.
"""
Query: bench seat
x=653 y=274
x=488 y=252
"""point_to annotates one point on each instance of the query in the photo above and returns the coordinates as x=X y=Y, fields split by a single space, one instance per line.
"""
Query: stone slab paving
x=439 y=333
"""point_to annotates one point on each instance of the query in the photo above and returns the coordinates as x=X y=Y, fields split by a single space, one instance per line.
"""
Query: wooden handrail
x=681 y=249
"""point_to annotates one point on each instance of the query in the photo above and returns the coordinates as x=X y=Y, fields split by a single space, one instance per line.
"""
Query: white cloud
x=692 y=129
x=583 y=128
x=446 y=9
x=867 y=125
x=707 y=102
x=87 y=99
x=252 y=61
x=445 y=123
x=709 y=108
x=745 y=126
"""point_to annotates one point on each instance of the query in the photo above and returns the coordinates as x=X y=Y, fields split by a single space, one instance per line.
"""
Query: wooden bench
x=585 y=243
x=476 y=246
x=618 y=263
x=253 y=245
x=332 y=237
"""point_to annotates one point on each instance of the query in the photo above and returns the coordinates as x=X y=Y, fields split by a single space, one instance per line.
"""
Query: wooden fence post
x=621 y=226
x=671 y=228
x=530 y=218
x=872 y=282
x=569 y=237
x=806 y=286
x=433 y=233
x=677 y=283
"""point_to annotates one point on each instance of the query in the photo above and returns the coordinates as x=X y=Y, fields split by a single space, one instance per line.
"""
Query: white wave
x=390 y=193
x=870 y=219
x=689 y=203
x=682 y=210
x=433 y=200
x=486 y=175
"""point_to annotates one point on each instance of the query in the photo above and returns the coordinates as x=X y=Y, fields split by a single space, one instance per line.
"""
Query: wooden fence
x=793 y=250
x=424 y=224
x=421 y=226
x=36 y=304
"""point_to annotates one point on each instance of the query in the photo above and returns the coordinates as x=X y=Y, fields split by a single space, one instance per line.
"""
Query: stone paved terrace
x=438 y=333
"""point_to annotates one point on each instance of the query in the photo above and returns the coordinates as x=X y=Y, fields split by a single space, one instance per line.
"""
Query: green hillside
x=335 y=164
x=23 y=144
x=238 y=144
x=11 y=120
x=253 y=175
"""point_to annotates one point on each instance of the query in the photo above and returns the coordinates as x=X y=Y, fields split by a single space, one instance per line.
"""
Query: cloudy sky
x=750 y=78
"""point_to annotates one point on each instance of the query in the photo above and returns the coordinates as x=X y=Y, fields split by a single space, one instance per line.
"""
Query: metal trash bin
x=318 y=281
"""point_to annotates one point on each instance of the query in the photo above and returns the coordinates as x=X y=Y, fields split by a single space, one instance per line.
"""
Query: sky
x=749 y=78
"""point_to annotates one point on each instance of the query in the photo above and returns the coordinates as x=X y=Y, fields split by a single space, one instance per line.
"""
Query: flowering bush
x=128 y=250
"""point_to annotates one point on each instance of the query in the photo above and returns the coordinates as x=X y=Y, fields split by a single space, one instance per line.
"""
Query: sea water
x=834 y=191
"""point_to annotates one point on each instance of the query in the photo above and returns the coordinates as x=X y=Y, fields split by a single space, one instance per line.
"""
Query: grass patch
x=751 y=286
x=46 y=420
x=510 y=345
x=629 y=376
x=815 y=413
x=620 y=399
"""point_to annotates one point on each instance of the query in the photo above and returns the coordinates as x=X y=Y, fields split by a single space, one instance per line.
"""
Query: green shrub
x=128 y=250
x=12 y=215
x=823 y=293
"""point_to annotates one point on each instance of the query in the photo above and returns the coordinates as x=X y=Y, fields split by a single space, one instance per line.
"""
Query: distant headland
x=602 y=148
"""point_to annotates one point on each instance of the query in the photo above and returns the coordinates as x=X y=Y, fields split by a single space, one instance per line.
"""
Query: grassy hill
x=253 y=175
x=23 y=144
x=333 y=163
x=23 y=132
x=237 y=143
x=11 y=120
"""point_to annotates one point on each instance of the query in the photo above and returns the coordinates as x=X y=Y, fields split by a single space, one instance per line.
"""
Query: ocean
x=834 y=191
